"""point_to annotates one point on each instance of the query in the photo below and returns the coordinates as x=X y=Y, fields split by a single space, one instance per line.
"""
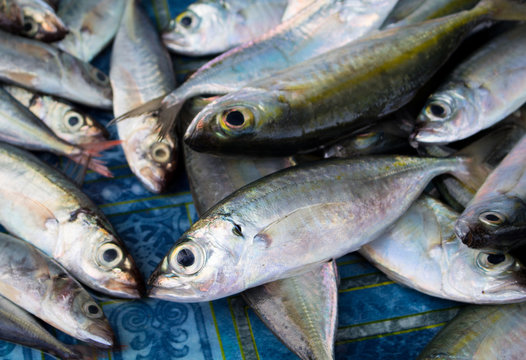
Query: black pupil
x=74 y=120
x=110 y=255
x=185 y=258
x=235 y=118
x=496 y=258
x=101 y=76
x=28 y=26
x=93 y=309
x=437 y=110
x=492 y=217
x=160 y=153
x=186 y=21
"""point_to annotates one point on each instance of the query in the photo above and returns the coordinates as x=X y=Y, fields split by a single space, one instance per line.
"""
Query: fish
x=481 y=332
x=325 y=25
x=19 y=327
x=19 y=126
x=141 y=70
x=92 y=25
x=312 y=103
x=40 y=21
x=432 y=9
x=422 y=251
x=46 y=209
x=496 y=217
x=42 y=287
x=480 y=92
x=11 y=16
x=44 y=68
x=208 y=27
x=66 y=121
x=253 y=236
x=402 y=9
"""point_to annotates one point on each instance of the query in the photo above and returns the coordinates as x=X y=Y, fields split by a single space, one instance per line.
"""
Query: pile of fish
x=392 y=128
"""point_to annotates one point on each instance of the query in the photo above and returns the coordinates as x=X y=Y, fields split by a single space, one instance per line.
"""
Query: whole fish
x=19 y=126
x=42 y=287
x=92 y=25
x=19 y=327
x=141 y=70
x=321 y=211
x=40 y=21
x=496 y=217
x=483 y=90
x=11 y=16
x=312 y=103
x=63 y=118
x=44 y=68
x=481 y=333
x=214 y=26
x=46 y=209
x=422 y=251
x=325 y=25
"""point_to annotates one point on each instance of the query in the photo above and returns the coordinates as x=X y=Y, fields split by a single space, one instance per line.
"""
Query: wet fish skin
x=49 y=211
x=141 y=70
x=42 y=287
x=41 y=22
x=496 y=217
x=67 y=122
x=44 y=68
x=92 y=25
x=483 y=90
x=422 y=251
x=235 y=245
x=481 y=332
x=10 y=16
x=211 y=27
x=302 y=107
x=432 y=9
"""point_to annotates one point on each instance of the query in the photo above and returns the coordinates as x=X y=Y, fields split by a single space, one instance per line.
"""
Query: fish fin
x=95 y=148
x=76 y=172
x=511 y=10
x=147 y=107
x=86 y=160
x=85 y=352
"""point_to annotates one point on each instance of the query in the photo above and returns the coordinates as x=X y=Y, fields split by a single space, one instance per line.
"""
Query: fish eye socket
x=438 y=110
x=234 y=120
x=99 y=76
x=92 y=310
x=160 y=152
x=109 y=255
x=187 y=20
x=492 y=218
x=187 y=259
x=30 y=26
x=236 y=230
x=74 y=120
x=494 y=261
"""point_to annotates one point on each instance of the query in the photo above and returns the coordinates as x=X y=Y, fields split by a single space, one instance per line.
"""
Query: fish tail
x=470 y=172
x=511 y=10
x=86 y=161
x=148 y=107
x=168 y=112
x=84 y=352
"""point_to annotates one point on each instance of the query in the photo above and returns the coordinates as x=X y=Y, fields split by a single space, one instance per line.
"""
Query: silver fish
x=44 y=68
x=422 y=251
x=254 y=235
x=46 y=209
x=432 y=9
x=63 y=118
x=42 y=287
x=141 y=70
x=40 y=21
x=483 y=90
x=214 y=26
x=11 y=16
x=92 y=25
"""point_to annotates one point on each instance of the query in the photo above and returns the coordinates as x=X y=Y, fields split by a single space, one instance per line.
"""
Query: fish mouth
x=154 y=181
x=100 y=336
x=174 y=40
x=464 y=233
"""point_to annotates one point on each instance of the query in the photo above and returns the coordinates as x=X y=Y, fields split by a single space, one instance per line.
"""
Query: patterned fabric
x=377 y=318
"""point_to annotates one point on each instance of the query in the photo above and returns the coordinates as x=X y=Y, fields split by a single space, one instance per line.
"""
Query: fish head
x=203 y=265
x=99 y=259
x=42 y=24
x=151 y=158
x=448 y=116
x=495 y=223
x=237 y=121
x=202 y=29
x=484 y=276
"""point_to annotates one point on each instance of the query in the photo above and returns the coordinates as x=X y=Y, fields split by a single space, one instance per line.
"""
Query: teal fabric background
x=377 y=318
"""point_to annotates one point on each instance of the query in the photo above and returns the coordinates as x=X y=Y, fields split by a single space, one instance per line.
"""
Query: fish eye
x=438 y=110
x=187 y=19
x=365 y=140
x=234 y=120
x=494 y=261
x=92 y=310
x=109 y=255
x=187 y=259
x=160 y=152
x=99 y=76
x=74 y=120
x=491 y=218
x=30 y=26
x=236 y=230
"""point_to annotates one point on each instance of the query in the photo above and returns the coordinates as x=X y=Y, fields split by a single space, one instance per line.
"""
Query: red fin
x=95 y=148
x=96 y=165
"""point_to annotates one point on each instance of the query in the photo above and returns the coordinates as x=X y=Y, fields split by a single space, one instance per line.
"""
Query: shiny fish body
x=254 y=235
x=313 y=102
x=496 y=217
x=40 y=21
x=211 y=26
x=483 y=90
x=324 y=26
x=141 y=70
x=481 y=333
x=46 y=209
x=432 y=9
x=91 y=23
x=44 y=68
x=402 y=9
x=11 y=16
x=40 y=286
x=422 y=251
x=66 y=121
